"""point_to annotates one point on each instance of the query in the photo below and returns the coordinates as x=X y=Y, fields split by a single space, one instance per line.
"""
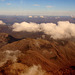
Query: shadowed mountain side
x=6 y=38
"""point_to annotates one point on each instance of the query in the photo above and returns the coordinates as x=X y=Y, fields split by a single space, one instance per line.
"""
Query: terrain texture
x=36 y=56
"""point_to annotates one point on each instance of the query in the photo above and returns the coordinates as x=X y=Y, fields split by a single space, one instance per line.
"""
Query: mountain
x=5 y=39
x=38 y=57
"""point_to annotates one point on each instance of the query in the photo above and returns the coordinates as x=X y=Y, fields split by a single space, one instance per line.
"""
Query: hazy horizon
x=37 y=7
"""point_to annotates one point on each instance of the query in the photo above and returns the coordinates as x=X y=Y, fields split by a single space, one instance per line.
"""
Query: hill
x=38 y=57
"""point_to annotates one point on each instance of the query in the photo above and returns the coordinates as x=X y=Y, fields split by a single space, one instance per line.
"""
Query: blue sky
x=37 y=7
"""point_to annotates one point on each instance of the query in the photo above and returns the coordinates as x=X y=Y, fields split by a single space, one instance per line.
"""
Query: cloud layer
x=63 y=29
x=34 y=70
x=2 y=23
x=24 y=26
x=8 y=55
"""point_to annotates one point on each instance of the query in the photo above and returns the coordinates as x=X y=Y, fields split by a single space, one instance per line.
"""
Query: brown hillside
x=55 y=57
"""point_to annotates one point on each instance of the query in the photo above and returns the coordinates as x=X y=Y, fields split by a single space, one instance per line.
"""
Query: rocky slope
x=38 y=57
x=5 y=39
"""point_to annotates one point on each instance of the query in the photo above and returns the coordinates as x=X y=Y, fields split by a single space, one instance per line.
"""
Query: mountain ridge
x=55 y=57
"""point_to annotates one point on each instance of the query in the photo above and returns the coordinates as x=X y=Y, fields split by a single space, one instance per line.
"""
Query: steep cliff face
x=38 y=57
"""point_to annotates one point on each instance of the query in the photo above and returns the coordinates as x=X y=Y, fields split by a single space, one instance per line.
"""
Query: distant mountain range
x=9 y=20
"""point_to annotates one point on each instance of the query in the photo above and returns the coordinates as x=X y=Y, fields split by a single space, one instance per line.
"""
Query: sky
x=38 y=7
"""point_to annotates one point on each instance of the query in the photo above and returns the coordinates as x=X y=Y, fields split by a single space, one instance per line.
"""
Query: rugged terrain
x=5 y=39
x=36 y=56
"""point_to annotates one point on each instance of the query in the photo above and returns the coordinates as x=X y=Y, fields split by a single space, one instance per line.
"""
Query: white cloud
x=34 y=70
x=2 y=23
x=8 y=55
x=24 y=26
x=63 y=29
x=30 y=16
x=41 y=16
